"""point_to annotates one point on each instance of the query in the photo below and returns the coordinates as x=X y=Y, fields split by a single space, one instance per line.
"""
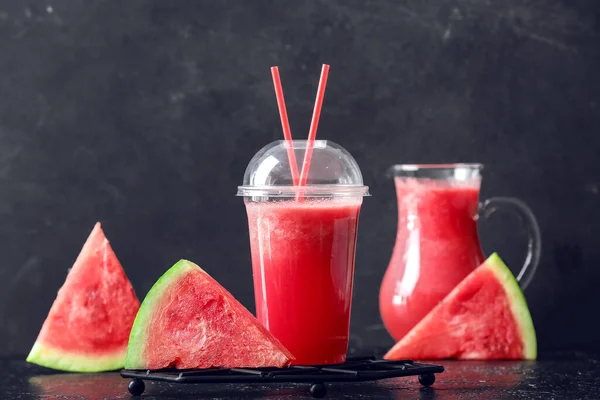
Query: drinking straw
x=285 y=124
x=312 y=132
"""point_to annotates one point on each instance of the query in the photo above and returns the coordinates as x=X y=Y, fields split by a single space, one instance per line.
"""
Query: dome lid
x=333 y=171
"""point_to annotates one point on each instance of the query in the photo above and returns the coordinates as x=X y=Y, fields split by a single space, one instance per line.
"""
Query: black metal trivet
x=353 y=370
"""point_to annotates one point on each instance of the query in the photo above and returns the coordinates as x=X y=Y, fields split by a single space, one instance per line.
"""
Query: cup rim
x=334 y=191
x=416 y=167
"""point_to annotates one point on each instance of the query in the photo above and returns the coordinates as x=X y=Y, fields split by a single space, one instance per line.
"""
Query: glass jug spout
x=465 y=172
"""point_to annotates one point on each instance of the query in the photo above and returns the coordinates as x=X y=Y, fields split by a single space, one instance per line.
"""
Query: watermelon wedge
x=485 y=317
x=188 y=320
x=89 y=323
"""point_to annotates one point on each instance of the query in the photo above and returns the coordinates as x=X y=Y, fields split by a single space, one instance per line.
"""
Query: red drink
x=303 y=268
x=437 y=246
x=303 y=239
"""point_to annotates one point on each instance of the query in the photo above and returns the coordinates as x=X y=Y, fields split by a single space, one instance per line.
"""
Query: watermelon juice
x=437 y=246
x=303 y=268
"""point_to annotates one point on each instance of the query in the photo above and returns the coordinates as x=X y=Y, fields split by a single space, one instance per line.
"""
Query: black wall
x=143 y=114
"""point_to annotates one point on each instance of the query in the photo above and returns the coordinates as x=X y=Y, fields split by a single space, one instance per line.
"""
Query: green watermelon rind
x=518 y=305
x=137 y=338
x=47 y=356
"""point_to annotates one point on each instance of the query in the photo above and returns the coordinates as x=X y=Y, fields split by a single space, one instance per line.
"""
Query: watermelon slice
x=188 y=320
x=89 y=323
x=485 y=317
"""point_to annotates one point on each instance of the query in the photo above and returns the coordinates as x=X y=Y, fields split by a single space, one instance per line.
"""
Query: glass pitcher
x=437 y=243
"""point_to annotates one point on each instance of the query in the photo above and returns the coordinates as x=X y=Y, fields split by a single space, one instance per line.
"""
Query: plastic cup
x=303 y=242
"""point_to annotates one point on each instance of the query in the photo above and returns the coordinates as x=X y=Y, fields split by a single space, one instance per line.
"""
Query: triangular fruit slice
x=89 y=323
x=188 y=320
x=484 y=318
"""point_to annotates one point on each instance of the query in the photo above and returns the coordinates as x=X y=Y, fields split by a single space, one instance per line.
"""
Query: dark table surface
x=566 y=375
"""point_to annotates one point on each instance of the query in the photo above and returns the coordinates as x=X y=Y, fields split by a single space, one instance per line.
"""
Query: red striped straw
x=312 y=132
x=285 y=124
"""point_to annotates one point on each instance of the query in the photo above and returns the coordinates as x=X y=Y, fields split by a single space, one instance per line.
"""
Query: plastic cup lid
x=333 y=171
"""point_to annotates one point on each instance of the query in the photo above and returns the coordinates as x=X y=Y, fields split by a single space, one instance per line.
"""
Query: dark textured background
x=143 y=114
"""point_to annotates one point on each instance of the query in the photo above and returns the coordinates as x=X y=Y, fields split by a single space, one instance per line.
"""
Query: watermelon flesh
x=485 y=317
x=188 y=320
x=89 y=323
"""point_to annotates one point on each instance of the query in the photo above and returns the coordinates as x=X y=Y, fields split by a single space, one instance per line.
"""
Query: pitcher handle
x=534 y=246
